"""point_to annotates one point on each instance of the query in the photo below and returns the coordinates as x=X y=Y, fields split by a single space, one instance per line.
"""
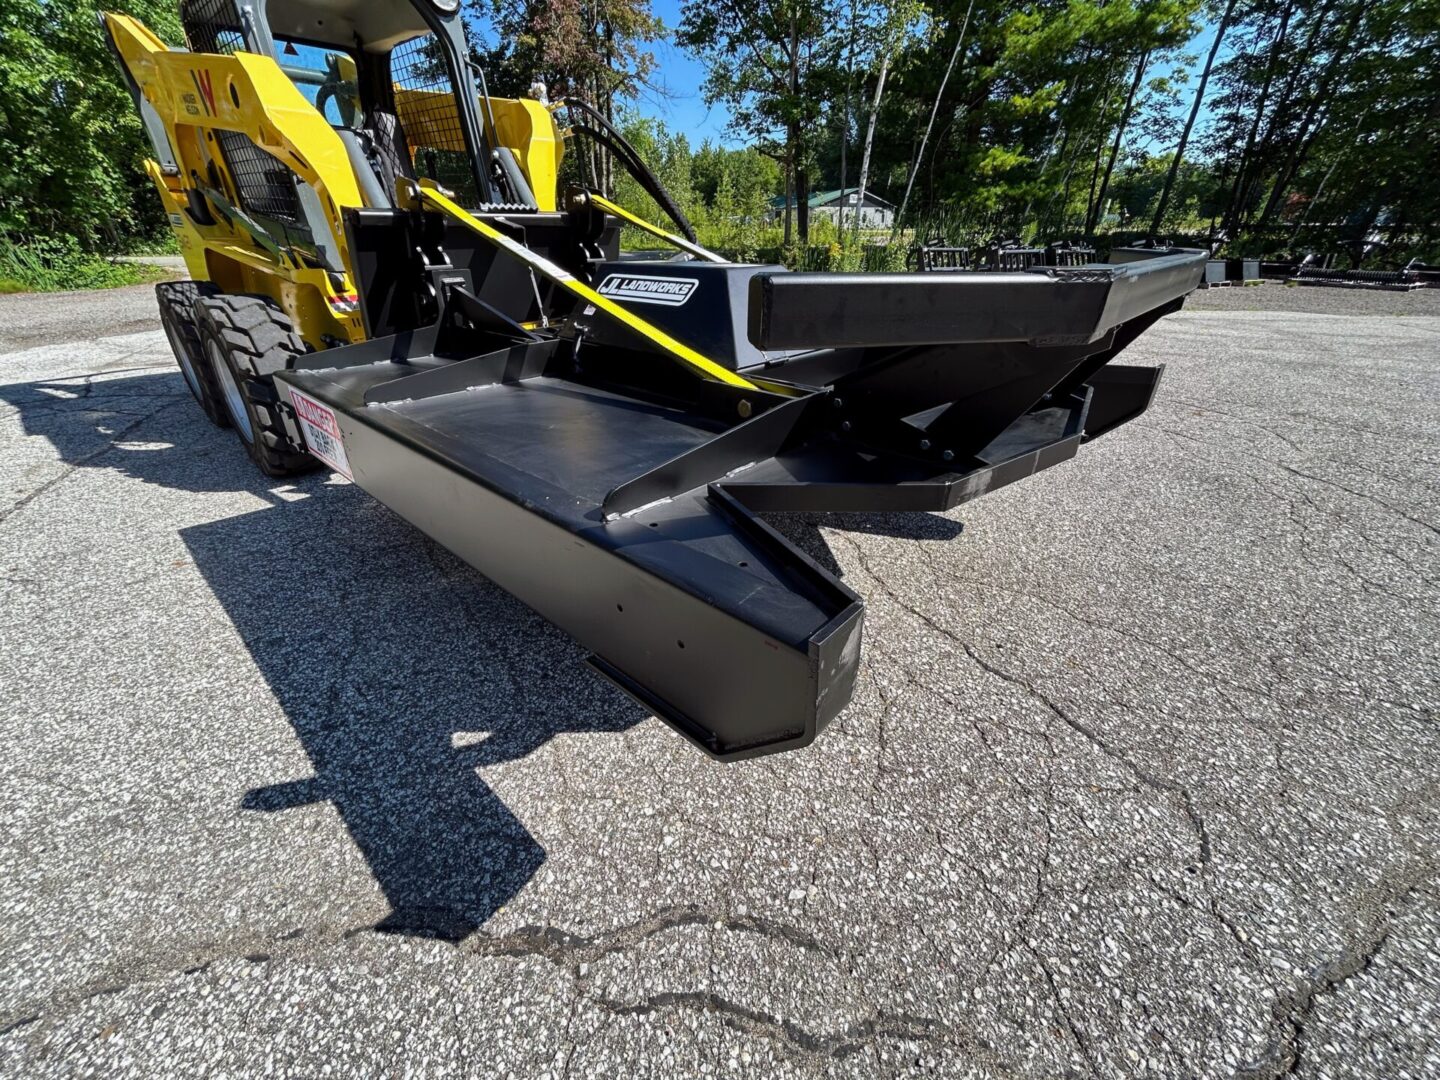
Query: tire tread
x=259 y=340
x=176 y=301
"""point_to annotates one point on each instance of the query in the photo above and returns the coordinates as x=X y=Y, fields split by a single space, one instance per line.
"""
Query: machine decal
x=207 y=91
x=672 y=292
x=321 y=432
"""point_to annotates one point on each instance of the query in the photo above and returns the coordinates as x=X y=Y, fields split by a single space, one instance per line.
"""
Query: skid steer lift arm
x=654 y=230
x=389 y=281
x=427 y=194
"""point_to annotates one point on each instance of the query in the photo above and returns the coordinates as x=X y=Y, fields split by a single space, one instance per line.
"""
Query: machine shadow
x=803 y=530
x=90 y=422
x=401 y=670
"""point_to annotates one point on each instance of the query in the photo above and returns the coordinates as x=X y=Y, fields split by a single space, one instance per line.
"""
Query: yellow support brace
x=654 y=230
x=566 y=280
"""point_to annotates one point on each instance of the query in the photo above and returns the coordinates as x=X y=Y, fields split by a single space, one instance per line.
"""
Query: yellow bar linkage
x=566 y=280
x=654 y=230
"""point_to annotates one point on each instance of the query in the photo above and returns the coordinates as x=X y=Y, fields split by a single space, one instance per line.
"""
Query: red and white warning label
x=321 y=432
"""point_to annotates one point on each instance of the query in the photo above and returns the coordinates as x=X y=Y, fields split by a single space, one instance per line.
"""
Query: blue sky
x=681 y=106
x=678 y=77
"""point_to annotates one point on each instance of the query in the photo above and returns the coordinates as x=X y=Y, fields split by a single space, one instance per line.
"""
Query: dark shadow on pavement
x=400 y=669
x=803 y=530
x=83 y=419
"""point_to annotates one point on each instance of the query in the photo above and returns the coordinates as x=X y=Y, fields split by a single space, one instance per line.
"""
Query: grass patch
x=55 y=264
x=163 y=243
x=829 y=248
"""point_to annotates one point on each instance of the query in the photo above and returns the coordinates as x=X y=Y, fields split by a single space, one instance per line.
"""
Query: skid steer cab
x=389 y=279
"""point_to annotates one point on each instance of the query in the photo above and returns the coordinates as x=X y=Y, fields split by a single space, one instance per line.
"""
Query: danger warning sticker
x=321 y=432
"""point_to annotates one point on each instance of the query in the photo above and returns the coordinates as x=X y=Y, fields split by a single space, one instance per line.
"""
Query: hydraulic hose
x=607 y=136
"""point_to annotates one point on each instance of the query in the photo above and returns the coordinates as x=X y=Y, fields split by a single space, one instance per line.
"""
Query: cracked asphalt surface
x=1140 y=777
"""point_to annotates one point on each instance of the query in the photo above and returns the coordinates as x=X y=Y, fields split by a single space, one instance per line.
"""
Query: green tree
x=669 y=156
x=769 y=63
x=1008 y=117
x=1326 y=126
x=70 y=138
x=594 y=50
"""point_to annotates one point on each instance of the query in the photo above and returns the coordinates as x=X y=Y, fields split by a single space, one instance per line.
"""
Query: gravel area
x=1317 y=300
x=28 y=320
x=1140 y=778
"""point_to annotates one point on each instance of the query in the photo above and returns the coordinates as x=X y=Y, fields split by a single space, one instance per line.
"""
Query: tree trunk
x=869 y=142
x=1297 y=69
x=789 y=188
x=1280 y=114
x=845 y=124
x=1099 y=156
x=1065 y=187
x=1093 y=221
x=1244 y=181
x=1324 y=181
x=1174 y=171
x=1063 y=131
x=930 y=124
x=792 y=129
x=1309 y=127
x=802 y=203
x=1287 y=173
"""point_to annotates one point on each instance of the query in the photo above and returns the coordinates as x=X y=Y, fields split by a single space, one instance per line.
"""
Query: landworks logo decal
x=671 y=292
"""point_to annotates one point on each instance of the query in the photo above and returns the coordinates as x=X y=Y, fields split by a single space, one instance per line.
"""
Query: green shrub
x=834 y=256
x=56 y=263
x=885 y=258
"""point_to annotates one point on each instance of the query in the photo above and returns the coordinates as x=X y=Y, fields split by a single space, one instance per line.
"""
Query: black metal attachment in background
x=930 y=258
x=1391 y=280
x=999 y=255
x=1002 y=254
x=1067 y=253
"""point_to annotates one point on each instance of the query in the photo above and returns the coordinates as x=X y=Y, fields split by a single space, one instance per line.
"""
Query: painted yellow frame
x=195 y=94
x=525 y=127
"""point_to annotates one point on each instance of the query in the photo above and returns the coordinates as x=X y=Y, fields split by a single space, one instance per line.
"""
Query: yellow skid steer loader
x=388 y=280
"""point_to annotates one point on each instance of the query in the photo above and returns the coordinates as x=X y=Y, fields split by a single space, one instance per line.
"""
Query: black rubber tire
x=176 y=300
x=245 y=340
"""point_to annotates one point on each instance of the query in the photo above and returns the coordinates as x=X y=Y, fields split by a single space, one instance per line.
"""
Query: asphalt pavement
x=1139 y=779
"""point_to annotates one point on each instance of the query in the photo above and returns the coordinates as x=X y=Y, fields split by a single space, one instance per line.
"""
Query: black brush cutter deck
x=573 y=462
x=390 y=276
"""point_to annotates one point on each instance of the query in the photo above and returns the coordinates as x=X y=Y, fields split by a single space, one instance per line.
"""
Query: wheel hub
x=234 y=401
